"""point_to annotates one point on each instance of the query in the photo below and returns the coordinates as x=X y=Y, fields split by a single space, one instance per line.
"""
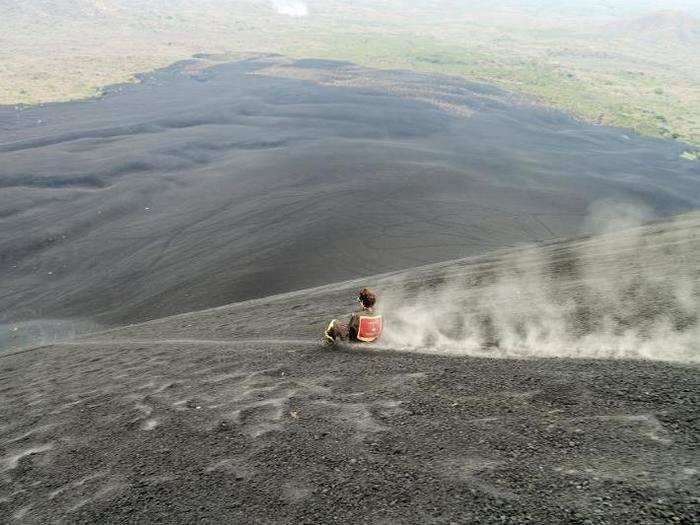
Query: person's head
x=367 y=298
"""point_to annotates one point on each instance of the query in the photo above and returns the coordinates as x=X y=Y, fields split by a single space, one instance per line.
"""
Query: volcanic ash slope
x=239 y=414
x=201 y=187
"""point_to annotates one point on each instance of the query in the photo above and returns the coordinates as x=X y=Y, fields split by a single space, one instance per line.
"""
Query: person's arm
x=354 y=324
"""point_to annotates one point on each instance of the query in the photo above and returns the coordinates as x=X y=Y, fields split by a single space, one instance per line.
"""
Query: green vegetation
x=640 y=75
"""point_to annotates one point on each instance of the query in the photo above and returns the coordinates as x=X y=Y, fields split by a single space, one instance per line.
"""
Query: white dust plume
x=628 y=294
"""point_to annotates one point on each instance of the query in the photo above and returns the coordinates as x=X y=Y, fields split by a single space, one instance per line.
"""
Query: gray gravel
x=239 y=414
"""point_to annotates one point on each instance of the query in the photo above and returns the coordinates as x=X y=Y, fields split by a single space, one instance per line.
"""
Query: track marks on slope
x=12 y=459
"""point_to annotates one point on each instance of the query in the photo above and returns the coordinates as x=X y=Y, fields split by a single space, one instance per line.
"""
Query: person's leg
x=337 y=330
x=329 y=332
x=341 y=331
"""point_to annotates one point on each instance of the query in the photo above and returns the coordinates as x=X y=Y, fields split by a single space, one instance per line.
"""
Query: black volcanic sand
x=199 y=188
x=238 y=414
x=181 y=432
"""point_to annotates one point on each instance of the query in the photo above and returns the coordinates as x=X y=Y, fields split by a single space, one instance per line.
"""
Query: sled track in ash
x=208 y=343
x=148 y=342
x=215 y=342
x=242 y=342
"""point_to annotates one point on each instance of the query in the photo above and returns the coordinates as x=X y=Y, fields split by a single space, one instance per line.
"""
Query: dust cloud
x=633 y=293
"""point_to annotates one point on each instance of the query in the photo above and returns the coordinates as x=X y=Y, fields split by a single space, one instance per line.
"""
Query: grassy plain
x=599 y=69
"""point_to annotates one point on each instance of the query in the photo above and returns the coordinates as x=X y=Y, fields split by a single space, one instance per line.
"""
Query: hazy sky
x=299 y=8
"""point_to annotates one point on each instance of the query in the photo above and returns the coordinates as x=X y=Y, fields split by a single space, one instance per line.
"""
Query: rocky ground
x=240 y=414
x=293 y=432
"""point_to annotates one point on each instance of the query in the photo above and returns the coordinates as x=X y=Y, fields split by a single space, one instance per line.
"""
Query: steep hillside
x=628 y=294
x=240 y=414
x=200 y=187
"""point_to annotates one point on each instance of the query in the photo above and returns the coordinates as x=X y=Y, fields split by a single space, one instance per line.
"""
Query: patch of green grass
x=624 y=98
x=651 y=86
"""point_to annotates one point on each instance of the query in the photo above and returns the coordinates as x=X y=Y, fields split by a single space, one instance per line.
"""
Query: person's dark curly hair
x=367 y=298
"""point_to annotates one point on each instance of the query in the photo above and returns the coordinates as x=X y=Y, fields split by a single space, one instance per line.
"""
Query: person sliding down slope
x=365 y=325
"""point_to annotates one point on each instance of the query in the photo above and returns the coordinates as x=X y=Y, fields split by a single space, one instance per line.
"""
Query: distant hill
x=672 y=25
